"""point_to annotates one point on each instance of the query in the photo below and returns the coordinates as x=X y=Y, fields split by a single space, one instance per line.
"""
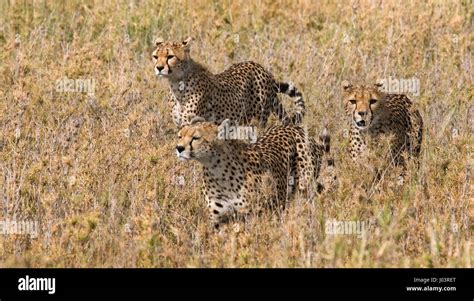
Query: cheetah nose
x=362 y=113
x=159 y=68
x=179 y=148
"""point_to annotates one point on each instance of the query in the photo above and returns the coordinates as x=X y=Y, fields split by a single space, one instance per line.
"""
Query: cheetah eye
x=352 y=101
x=170 y=57
x=372 y=101
x=196 y=138
x=155 y=57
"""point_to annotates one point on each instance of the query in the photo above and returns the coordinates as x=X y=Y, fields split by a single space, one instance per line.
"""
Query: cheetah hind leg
x=305 y=179
x=232 y=220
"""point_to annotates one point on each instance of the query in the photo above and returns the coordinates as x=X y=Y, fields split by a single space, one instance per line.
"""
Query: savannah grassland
x=99 y=172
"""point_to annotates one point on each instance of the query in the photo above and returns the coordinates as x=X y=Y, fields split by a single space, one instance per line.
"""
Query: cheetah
x=236 y=173
x=374 y=113
x=243 y=92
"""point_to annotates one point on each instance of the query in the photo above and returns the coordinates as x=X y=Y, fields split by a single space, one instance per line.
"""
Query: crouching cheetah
x=243 y=92
x=237 y=173
x=375 y=113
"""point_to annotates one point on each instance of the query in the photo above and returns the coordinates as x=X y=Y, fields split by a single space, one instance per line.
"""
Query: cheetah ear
x=187 y=43
x=379 y=84
x=346 y=85
x=197 y=119
x=159 y=41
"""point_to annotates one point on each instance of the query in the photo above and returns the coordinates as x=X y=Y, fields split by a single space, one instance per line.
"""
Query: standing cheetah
x=375 y=113
x=241 y=93
x=236 y=173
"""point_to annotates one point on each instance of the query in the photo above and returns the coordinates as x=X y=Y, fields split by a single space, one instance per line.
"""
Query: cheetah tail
x=325 y=139
x=328 y=179
x=290 y=90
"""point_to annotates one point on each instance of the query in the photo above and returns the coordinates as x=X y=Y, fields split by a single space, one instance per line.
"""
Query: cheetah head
x=169 y=58
x=362 y=103
x=197 y=141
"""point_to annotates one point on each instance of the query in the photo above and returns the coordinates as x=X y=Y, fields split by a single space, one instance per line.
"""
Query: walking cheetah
x=237 y=173
x=242 y=92
x=375 y=113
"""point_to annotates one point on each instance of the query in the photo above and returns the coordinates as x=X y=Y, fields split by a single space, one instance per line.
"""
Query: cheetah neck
x=381 y=117
x=188 y=86
x=191 y=70
x=223 y=168
x=229 y=151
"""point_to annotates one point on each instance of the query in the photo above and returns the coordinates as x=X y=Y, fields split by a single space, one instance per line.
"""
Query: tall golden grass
x=99 y=174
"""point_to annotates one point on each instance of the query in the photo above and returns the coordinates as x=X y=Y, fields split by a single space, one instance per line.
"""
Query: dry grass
x=99 y=172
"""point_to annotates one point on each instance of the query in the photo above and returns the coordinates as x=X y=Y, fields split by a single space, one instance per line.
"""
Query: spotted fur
x=243 y=92
x=237 y=173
